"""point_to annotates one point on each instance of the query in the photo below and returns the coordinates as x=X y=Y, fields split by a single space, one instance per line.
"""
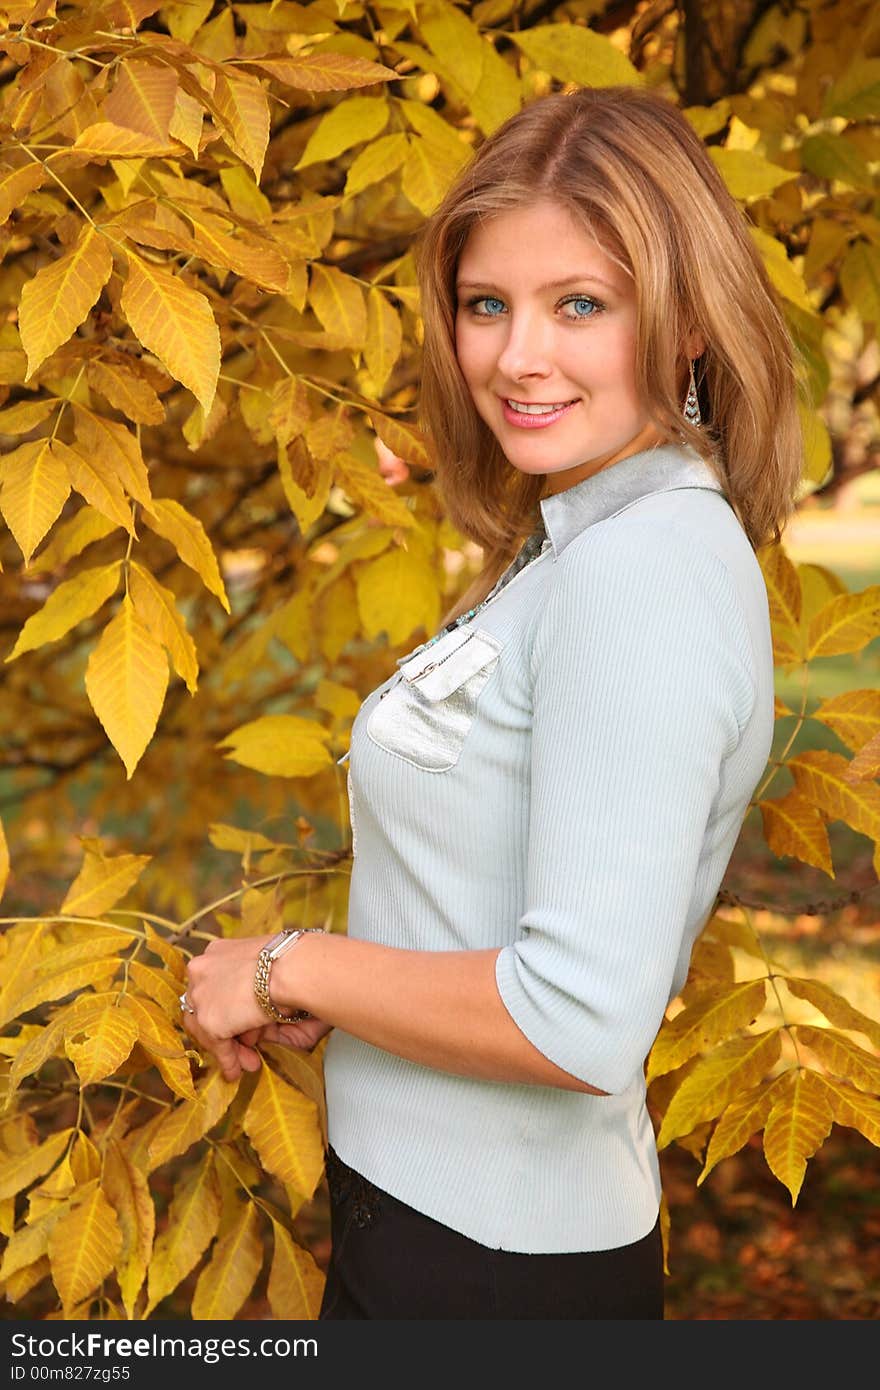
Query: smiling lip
x=533 y=422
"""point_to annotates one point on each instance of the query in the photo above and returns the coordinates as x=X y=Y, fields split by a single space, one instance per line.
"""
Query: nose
x=526 y=350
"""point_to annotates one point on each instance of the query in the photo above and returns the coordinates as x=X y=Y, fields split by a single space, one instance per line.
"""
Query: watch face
x=279 y=944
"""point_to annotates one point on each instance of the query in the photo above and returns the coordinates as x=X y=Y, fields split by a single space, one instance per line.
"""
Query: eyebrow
x=551 y=284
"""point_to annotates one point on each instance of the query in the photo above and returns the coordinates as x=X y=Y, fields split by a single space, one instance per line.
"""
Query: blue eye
x=581 y=302
x=488 y=300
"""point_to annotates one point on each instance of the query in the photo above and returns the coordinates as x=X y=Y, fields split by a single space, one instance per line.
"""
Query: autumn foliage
x=209 y=316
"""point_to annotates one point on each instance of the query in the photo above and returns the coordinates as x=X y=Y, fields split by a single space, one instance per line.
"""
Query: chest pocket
x=426 y=716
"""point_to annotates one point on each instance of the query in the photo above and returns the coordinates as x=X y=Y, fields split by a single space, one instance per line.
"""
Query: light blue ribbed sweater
x=566 y=782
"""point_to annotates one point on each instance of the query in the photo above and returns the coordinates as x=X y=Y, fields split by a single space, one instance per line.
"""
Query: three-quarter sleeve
x=642 y=684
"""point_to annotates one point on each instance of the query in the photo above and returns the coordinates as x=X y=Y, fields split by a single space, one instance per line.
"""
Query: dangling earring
x=691 y=410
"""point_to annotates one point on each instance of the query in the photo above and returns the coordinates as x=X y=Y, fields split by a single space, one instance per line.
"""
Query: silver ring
x=185 y=1006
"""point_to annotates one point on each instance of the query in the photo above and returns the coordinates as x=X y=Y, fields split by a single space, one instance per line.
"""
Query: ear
x=695 y=346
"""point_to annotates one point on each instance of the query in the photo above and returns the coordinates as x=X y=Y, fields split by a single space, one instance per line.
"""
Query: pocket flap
x=438 y=671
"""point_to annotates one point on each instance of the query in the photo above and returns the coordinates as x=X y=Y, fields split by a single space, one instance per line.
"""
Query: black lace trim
x=345 y=1185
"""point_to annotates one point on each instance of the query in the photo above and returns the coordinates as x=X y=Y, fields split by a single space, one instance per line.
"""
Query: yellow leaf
x=63 y=982
x=833 y=157
x=860 y=280
x=397 y=593
x=97 y=482
x=143 y=98
x=324 y=71
x=281 y=1123
x=35 y=488
x=102 y=881
x=192 y=1224
x=198 y=427
x=427 y=174
x=114 y=448
x=326 y=436
x=854 y=716
x=402 y=439
x=71 y=538
x=73 y=601
x=783 y=585
x=338 y=301
x=16 y=184
x=306 y=507
x=843 y=1057
x=169 y=954
x=745 y=1115
x=126 y=680
x=4 y=861
x=368 y=489
x=850 y=1107
x=304 y=1070
x=575 y=54
x=353 y=121
x=83 y=1248
x=20 y=1170
x=129 y=1194
x=187 y=120
x=281 y=745
x=713 y=1016
x=749 y=175
x=254 y=259
x=384 y=338
x=866 y=763
x=798 y=1124
x=18 y=1285
x=26 y=415
x=102 y=1045
x=157 y=608
x=158 y=1036
x=380 y=158
x=846 y=624
x=818 y=587
x=289 y=412
x=58 y=298
x=163 y=991
x=244 y=195
x=230 y=1274
x=183 y=1126
x=188 y=536
x=716 y=1079
x=339 y=700
x=835 y=1008
x=28 y=1244
x=176 y=323
x=296 y=1281
x=787 y=279
x=241 y=110
x=233 y=837
x=792 y=826
x=816 y=445
x=21 y=947
x=104 y=140
x=819 y=775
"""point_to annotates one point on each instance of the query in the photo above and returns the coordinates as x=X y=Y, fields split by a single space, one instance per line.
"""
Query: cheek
x=470 y=353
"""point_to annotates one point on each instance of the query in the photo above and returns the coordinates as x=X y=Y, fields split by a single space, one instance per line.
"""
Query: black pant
x=390 y=1261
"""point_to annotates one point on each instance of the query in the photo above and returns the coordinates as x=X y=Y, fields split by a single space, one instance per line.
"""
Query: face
x=544 y=319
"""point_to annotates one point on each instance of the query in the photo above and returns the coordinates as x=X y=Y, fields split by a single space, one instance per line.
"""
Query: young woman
x=545 y=795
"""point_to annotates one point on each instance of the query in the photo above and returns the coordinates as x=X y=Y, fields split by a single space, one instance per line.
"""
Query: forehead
x=539 y=242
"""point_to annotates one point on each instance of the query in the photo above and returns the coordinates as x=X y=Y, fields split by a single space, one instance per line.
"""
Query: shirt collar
x=662 y=468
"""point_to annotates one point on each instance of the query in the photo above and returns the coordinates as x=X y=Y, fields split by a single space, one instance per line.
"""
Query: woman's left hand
x=227 y=1019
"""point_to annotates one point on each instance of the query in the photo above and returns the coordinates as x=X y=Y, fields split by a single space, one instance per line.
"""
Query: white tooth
x=535 y=409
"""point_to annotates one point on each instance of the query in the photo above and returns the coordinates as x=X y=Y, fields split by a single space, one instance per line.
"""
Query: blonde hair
x=629 y=167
